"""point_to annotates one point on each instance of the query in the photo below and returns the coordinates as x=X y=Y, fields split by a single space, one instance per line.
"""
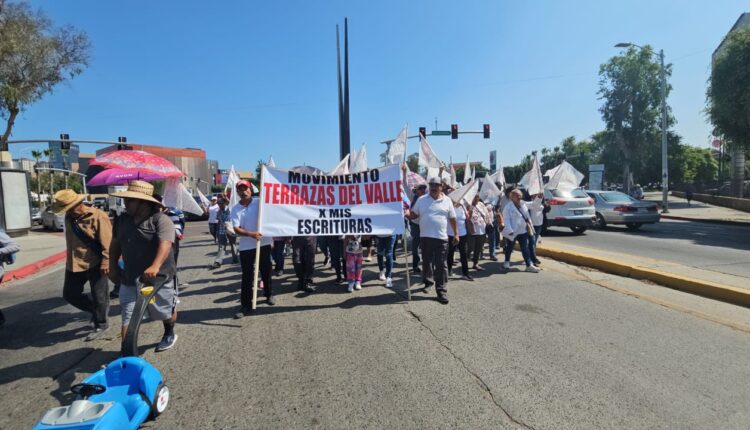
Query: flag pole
x=406 y=245
x=258 y=242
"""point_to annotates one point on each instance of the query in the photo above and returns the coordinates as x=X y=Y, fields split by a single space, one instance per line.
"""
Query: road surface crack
x=476 y=376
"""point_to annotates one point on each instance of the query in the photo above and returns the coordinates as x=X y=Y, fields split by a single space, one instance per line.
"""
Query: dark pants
x=247 y=261
x=212 y=229
x=322 y=243
x=303 y=248
x=491 y=239
x=278 y=255
x=523 y=243
x=434 y=270
x=414 y=230
x=461 y=247
x=336 y=253
x=98 y=304
x=475 y=247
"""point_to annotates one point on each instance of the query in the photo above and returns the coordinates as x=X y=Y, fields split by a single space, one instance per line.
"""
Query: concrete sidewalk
x=699 y=211
x=39 y=249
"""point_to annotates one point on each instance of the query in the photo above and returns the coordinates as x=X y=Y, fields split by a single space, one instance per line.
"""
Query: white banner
x=300 y=204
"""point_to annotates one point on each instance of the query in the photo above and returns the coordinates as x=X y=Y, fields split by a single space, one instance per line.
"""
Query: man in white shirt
x=244 y=217
x=213 y=210
x=434 y=211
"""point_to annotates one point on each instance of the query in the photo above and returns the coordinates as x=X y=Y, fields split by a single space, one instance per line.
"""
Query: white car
x=569 y=207
x=53 y=221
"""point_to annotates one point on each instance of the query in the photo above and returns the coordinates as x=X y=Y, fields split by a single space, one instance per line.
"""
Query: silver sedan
x=614 y=207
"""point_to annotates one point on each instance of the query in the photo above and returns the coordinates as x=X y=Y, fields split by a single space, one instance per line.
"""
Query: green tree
x=630 y=85
x=35 y=56
x=412 y=161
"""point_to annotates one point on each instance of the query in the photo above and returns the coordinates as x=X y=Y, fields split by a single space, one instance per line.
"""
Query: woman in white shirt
x=479 y=217
x=536 y=216
x=517 y=226
x=463 y=239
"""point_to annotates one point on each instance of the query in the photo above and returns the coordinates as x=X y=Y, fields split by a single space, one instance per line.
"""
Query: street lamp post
x=664 y=158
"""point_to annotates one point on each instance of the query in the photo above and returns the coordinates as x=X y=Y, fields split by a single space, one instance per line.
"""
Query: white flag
x=203 y=198
x=498 y=177
x=397 y=149
x=232 y=179
x=532 y=180
x=565 y=173
x=489 y=190
x=271 y=162
x=427 y=157
x=359 y=161
x=454 y=182
x=177 y=196
x=342 y=168
x=466 y=192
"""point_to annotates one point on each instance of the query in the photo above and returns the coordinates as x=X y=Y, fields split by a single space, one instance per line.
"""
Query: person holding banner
x=434 y=211
x=245 y=222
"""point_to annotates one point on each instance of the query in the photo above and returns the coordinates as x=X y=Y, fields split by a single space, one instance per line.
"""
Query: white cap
x=435 y=180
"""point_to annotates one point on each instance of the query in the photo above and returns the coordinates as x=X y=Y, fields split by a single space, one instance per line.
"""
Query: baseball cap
x=243 y=182
x=434 y=180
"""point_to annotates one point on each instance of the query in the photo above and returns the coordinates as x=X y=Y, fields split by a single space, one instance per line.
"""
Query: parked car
x=53 y=221
x=36 y=216
x=614 y=207
x=101 y=203
x=569 y=207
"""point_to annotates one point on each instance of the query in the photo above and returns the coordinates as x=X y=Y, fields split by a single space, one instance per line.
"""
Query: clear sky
x=246 y=79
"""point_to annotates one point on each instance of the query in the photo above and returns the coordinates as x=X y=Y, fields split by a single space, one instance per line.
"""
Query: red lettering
x=294 y=200
x=321 y=195
x=378 y=197
x=358 y=198
x=343 y=195
x=331 y=194
x=284 y=194
x=368 y=193
x=303 y=197
x=276 y=193
x=268 y=194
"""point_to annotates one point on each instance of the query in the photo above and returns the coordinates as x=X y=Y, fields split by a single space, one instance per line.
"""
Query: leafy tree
x=630 y=85
x=35 y=56
x=412 y=161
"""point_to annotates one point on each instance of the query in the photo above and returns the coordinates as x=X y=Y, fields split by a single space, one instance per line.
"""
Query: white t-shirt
x=460 y=220
x=213 y=210
x=246 y=218
x=536 y=212
x=433 y=216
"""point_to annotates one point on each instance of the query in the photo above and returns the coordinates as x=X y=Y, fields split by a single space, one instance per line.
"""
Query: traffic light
x=121 y=145
x=64 y=141
x=486 y=131
x=423 y=131
x=454 y=131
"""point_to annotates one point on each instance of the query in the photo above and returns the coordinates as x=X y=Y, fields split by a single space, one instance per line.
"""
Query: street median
x=737 y=296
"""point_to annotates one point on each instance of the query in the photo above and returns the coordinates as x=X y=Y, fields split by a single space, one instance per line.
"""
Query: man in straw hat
x=244 y=217
x=143 y=236
x=88 y=233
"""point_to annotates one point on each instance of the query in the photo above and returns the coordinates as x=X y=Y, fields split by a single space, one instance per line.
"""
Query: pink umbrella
x=122 y=176
x=137 y=160
x=413 y=180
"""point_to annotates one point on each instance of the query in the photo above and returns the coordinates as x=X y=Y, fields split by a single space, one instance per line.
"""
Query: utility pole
x=664 y=160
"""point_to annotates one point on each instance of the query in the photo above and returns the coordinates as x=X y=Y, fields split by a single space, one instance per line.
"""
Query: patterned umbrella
x=414 y=180
x=137 y=160
x=121 y=176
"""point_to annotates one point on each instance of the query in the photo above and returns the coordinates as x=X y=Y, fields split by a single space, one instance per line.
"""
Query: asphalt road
x=720 y=248
x=564 y=348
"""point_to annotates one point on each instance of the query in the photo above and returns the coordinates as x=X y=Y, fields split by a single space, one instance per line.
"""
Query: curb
x=711 y=290
x=33 y=268
x=708 y=221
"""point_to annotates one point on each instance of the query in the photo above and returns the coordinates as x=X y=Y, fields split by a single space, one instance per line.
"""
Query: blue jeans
x=385 y=254
x=491 y=239
x=523 y=243
x=532 y=242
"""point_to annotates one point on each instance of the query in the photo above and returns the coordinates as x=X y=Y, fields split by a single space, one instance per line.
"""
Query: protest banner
x=301 y=204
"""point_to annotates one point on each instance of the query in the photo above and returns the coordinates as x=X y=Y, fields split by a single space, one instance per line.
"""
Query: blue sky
x=245 y=79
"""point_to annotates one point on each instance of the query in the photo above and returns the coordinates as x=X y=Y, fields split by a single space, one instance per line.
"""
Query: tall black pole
x=342 y=153
x=346 y=149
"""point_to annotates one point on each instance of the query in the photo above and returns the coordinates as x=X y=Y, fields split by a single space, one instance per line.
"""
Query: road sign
x=441 y=133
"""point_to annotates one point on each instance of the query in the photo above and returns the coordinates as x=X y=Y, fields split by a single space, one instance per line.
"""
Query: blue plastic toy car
x=121 y=396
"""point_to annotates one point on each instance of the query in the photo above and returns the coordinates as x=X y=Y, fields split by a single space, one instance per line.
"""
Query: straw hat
x=140 y=190
x=64 y=200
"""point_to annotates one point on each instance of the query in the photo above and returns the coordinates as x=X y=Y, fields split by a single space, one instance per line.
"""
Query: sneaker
x=339 y=279
x=368 y=259
x=388 y=283
x=381 y=276
x=270 y=301
x=537 y=262
x=443 y=299
x=532 y=269
x=357 y=285
x=478 y=267
x=506 y=265
x=427 y=289
x=96 y=333
x=279 y=272
x=493 y=258
x=351 y=287
x=216 y=265
x=467 y=278
x=167 y=342
x=243 y=312
x=309 y=288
